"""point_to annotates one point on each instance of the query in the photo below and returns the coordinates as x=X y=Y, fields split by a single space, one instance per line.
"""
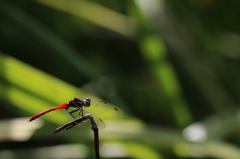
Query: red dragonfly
x=78 y=107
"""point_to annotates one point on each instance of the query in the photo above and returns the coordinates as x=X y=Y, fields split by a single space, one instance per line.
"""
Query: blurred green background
x=171 y=67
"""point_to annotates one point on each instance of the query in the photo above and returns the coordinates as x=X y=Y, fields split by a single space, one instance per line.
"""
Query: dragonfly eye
x=87 y=102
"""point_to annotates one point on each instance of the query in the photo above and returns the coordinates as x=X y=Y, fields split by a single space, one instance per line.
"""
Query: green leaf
x=33 y=90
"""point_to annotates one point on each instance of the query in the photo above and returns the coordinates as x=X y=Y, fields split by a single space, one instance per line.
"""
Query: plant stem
x=96 y=143
x=93 y=126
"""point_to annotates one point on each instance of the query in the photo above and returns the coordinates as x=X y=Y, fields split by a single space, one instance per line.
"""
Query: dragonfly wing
x=97 y=108
x=85 y=123
x=111 y=113
x=73 y=115
x=103 y=110
x=100 y=123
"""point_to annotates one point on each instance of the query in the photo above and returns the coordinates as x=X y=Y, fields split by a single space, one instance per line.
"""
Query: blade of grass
x=60 y=47
x=155 y=54
x=32 y=90
x=96 y=14
x=51 y=39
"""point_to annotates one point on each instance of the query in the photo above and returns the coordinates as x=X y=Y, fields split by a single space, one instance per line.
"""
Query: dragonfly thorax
x=79 y=102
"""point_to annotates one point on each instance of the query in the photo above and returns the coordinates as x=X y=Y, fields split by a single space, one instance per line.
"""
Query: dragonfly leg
x=70 y=113
x=81 y=112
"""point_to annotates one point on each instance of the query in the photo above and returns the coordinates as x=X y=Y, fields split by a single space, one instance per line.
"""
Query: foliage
x=171 y=67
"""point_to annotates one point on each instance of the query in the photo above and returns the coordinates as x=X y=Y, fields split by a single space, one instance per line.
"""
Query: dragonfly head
x=87 y=102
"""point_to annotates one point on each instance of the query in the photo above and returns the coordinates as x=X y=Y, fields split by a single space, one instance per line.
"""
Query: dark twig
x=71 y=124
x=93 y=126
x=96 y=138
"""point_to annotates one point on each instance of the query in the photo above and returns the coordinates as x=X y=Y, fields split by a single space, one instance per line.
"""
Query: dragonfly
x=79 y=107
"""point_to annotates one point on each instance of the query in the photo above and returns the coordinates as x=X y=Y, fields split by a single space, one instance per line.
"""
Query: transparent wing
x=99 y=121
x=102 y=110
x=97 y=108
x=85 y=123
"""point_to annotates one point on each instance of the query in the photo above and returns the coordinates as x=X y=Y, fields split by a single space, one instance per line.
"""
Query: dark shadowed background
x=171 y=67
